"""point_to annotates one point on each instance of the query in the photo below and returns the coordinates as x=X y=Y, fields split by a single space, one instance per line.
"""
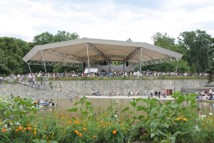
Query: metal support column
x=29 y=67
x=141 y=57
x=43 y=61
x=176 y=65
x=109 y=63
x=88 y=58
x=123 y=67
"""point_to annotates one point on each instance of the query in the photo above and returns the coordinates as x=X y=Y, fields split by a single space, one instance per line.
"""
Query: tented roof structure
x=91 y=51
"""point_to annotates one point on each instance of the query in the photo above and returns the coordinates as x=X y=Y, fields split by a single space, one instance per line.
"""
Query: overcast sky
x=105 y=19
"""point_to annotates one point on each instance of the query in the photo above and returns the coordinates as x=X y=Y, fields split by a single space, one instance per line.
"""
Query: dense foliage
x=144 y=120
x=197 y=48
x=12 y=51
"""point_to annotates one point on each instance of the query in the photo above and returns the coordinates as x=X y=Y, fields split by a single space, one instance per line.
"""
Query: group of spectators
x=43 y=103
x=31 y=77
x=209 y=95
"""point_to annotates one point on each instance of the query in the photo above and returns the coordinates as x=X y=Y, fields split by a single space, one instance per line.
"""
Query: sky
x=120 y=20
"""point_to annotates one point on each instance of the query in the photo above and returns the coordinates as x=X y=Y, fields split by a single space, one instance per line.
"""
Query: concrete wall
x=56 y=89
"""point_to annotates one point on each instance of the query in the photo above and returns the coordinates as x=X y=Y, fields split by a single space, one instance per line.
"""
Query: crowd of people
x=31 y=77
x=43 y=103
x=146 y=93
x=209 y=95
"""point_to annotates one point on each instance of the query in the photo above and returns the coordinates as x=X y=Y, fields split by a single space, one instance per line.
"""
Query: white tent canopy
x=90 y=51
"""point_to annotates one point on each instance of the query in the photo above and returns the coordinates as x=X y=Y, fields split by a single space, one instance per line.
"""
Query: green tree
x=64 y=36
x=12 y=50
x=211 y=67
x=197 y=45
x=3 y=63
x=193 y=68
x=45 y=38
x=129 y=40
x=183 y=66
x=167 y=42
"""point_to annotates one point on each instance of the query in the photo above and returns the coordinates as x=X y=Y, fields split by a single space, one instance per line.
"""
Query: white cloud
x=104 y=20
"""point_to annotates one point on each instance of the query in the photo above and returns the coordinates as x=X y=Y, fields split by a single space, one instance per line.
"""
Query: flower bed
x=147 y=120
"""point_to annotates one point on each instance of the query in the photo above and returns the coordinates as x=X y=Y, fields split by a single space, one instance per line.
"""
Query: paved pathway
x=126 y=97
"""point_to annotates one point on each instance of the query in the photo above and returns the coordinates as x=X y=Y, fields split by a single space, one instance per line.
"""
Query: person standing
x=151 y=93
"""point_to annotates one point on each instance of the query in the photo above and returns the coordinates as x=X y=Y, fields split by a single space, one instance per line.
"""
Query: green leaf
x=152 y=135
x=88 y=103
x=154 y=124
x=125 y=109
x=180 y=99
x=174 y=105
x=73 y=110
x=165 y=125
x=141 y=117
x=133 y=103
x=139 y=108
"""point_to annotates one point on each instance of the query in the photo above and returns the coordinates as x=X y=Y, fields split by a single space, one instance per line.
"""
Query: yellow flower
x=181 y=118
x=34 y=132
x=84 y=129
x=114 y=132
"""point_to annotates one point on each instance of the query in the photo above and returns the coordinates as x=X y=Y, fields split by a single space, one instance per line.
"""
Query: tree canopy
x=197 y=46
x=12 y=50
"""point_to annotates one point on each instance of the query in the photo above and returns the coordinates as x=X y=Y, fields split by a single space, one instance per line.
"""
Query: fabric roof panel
x=76 y=51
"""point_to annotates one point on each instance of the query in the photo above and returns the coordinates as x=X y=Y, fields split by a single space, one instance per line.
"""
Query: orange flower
x=80 y=134
x=76 y=131
x=20 y=127
x=114 y=132
x=77 y=122
x=3 y=130
x=17 y=130
x=29 y=128
x=69 y=122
